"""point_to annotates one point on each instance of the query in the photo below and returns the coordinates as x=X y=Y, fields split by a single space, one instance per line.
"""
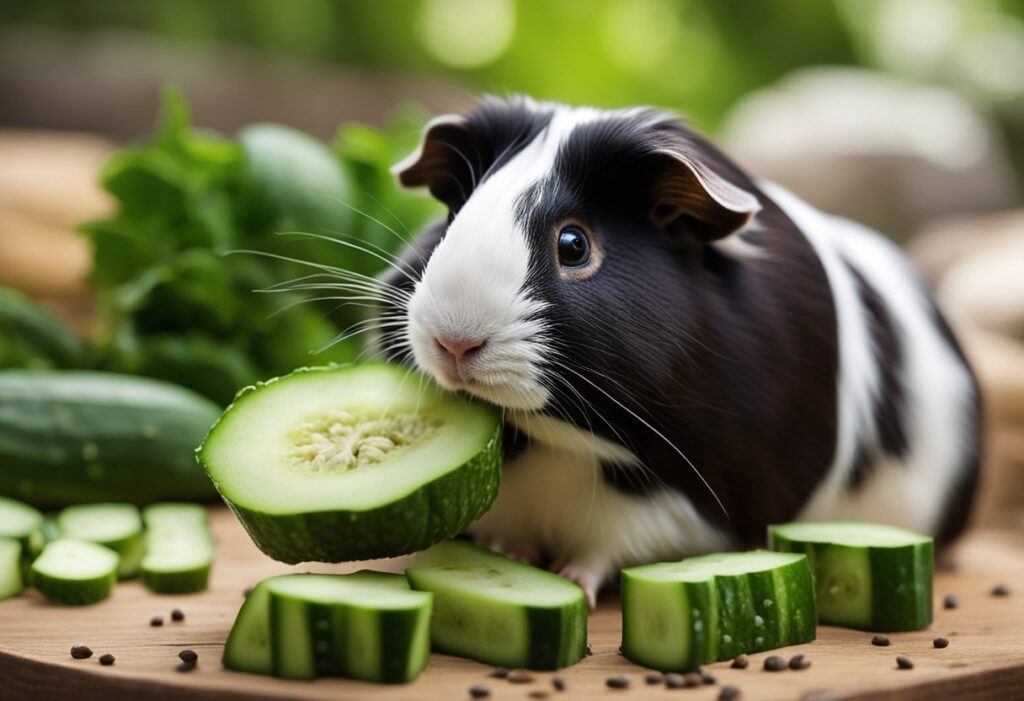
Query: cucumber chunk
x=179 y=548
x=45 y=533
x=18 y=520
x=116 y=526
x=499 y=611
x=678 y=615
x=366 y=625
x=11 y=582
x=351 y=463
x=75 y=572
x=867 y=576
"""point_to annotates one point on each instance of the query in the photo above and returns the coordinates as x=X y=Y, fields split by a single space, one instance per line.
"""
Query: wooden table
x=985 y=658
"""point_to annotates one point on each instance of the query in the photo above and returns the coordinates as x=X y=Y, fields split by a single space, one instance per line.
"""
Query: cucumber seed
x=340 y=441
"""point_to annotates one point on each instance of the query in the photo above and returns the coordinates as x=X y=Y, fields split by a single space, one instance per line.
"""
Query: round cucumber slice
x=75 y=572
x=353 y=463
x=117 y=526
x=18 y=520
x=867 y=575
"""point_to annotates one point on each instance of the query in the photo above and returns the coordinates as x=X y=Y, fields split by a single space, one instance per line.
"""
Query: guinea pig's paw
x=588 y=575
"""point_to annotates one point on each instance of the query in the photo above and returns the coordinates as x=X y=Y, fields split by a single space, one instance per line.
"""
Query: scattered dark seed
x=729 y=693
x=654 y=678
x=539 y=694
x=590 y=649
x=499 y=673
x=880 y=641
x=186 y=666
x=177 y=615
x=1000 y=590
x=107 y=659
x=246 y=592
x=479 y=691
x=693 y=679
x=740 y=662
x=81 y=652
x=188 y=656
x=675 y=681
x=799 y=662
x=156 y=621
x=708 y=678
x=940 y=643
x=951 y=601
x=904 y=662
x=617 y=682
x=558 y=683
x=518 y=676
x=774 y=663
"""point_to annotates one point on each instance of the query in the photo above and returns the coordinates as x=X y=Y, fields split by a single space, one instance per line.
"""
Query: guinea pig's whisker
x=387 y=257
x=656 y=432
x=469 y=166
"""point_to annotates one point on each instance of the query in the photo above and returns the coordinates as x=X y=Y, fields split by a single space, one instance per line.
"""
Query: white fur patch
x=553 y=496
x=474 y=283
x=909 y=492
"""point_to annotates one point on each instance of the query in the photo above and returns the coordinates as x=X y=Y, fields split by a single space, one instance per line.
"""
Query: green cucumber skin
x=77 y=592
x=73 y=437
x=12 y=577
x=729 y=608
x=178 y=582
x=895 y=607
x=342 y=536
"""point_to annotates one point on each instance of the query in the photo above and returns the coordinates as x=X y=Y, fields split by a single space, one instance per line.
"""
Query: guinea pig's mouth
x=506 y=390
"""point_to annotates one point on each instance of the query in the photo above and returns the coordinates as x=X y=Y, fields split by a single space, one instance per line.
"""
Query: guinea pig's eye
x=573 y=247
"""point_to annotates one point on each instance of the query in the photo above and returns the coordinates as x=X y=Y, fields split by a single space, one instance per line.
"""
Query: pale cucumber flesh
x=18 y=520
x=179 y=548
x=350 y=463
x=75 y=571
x=499 y=611
x=117 y=526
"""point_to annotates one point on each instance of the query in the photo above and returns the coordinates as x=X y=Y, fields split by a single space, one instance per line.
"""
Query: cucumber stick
x=116 y=526
x=75 y=572
x=678 y=615
x=366 y=625
x=11 y=581
x=76 y=437
x=179 y=548
x=867 y=576
x=499 y=611
x=352 y=463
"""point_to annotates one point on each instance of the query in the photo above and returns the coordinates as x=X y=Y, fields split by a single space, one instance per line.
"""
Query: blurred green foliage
x=193 y=269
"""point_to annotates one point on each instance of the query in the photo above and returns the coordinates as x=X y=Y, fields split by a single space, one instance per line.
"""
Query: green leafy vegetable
x=179 y=300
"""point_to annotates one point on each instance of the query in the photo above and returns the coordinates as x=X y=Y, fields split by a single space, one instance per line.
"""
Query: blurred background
x=119 y=195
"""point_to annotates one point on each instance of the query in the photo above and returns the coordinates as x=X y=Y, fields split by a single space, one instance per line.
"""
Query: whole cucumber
x=71 y=437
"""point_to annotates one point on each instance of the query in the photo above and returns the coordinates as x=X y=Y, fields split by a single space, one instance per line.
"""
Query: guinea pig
x=682 y=354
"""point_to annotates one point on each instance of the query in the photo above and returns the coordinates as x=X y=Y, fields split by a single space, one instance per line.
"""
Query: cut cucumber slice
x=75 y=572
x=18 y=520
x=678 y=615
x=11 y=582
x=179 y=548
x=499 y=611
x=352 y=463
x=366 y=625
x=116 y=526
x=45 y=533
x=867 y=576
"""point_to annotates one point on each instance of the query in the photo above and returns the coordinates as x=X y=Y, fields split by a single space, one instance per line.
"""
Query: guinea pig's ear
x=688 y=195
x=440 y=163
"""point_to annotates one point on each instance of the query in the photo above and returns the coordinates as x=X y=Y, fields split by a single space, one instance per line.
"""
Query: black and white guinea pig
x=683 y=354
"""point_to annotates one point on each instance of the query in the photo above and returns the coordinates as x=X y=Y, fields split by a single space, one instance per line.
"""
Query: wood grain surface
x=985 y=658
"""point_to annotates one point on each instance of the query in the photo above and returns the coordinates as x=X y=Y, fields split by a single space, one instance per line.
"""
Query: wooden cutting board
x=985 y=658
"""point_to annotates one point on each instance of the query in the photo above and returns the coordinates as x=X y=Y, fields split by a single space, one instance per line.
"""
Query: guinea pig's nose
x=458 y=348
